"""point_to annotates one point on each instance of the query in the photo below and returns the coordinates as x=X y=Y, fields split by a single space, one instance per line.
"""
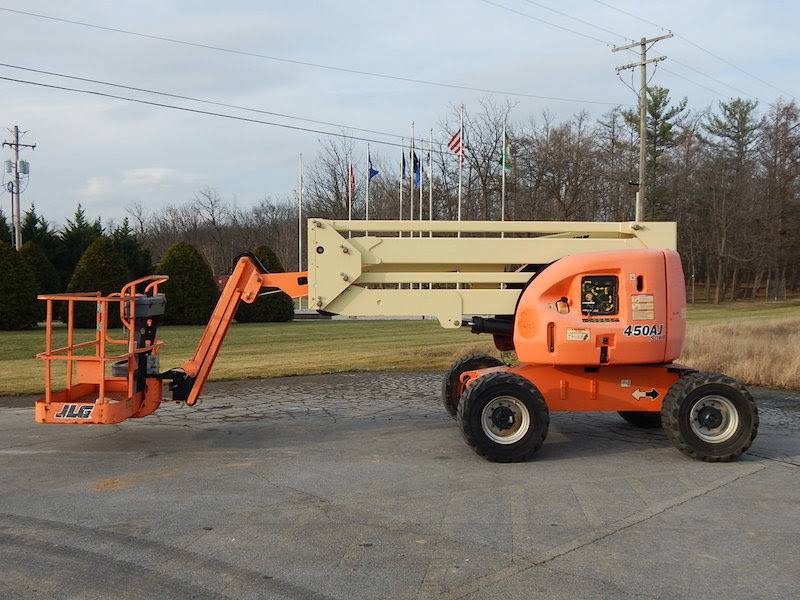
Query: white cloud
x=107 y=153
x=156 y=176
x=97 y=187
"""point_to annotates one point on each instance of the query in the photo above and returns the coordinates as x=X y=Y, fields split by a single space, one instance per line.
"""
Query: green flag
x=505 y=159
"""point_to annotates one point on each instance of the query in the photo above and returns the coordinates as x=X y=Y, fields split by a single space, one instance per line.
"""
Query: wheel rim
x=714 y=419
x=505 y=419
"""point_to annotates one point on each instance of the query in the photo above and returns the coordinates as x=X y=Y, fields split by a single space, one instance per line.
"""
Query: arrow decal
x=639 y=394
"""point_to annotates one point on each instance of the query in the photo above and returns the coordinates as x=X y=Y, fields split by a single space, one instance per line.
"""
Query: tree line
x=727 y=174
x=86 y=257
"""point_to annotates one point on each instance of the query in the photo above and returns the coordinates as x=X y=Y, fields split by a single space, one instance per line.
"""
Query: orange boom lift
x=594 y=331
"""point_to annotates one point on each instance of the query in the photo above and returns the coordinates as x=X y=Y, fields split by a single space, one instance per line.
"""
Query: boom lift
x=593 y=311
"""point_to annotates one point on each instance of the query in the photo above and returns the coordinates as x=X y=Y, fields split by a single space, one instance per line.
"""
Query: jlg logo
x=75 y=411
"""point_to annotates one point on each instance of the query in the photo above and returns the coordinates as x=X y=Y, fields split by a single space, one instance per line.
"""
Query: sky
x=107 y=154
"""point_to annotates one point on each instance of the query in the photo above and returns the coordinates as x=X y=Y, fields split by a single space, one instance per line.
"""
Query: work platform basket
x=107 y=380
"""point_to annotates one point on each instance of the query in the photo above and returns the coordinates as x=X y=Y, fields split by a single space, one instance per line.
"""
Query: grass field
x=754 y=342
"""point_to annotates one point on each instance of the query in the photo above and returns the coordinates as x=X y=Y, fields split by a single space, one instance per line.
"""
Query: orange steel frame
x=607 y=388
x=113 y=399
x=90 y=395
x=243 y=285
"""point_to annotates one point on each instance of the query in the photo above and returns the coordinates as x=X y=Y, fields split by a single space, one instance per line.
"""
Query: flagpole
x=430 y=190
x=366 y=211
x=419 y=216
x=300 y=226
x=430 y=181
x=460 y=162
x=402 y=182
x=503 y=174
x=349 y=195
x=412 y=173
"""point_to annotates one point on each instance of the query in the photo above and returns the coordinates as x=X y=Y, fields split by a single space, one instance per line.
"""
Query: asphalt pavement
x=360 y=486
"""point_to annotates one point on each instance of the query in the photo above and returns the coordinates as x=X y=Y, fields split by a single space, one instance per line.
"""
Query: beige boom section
x=400 y=268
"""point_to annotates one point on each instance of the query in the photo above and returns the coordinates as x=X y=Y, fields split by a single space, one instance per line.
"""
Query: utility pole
x=642 y=64
x=300 y=225
x=14 y=186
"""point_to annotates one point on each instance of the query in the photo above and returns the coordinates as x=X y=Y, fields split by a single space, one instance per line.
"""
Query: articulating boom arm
x=249 y=277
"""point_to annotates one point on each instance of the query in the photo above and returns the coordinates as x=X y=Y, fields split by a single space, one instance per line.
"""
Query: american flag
x=456 y=145
x=351 y=180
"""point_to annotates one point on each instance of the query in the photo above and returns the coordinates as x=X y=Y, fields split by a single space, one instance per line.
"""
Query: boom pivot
x=249 y=277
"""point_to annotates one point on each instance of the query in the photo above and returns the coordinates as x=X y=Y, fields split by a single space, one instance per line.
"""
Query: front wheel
x=503 y=417
x=710 y=417
x=452 y=386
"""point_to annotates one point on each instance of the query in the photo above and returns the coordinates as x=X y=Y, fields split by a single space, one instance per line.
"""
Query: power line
x=609 y=44
x=696 y=45
x=548 y=23
x=692 y=81
x=209 y=113
x=315 y=65
x=730 y=64
x=642 y=19
x=578 y=19
x=699 y=72
x=194 y=99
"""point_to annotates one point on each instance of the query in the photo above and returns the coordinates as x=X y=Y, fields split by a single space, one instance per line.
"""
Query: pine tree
x=44 y=274
x=736 y=130
x=662 y=121
x=100 y=269
x=276 y=307
x=36 y=229
x=5 y=230
x=17 y=291
x=136 y=256
x=191 y=290
x=77 y=236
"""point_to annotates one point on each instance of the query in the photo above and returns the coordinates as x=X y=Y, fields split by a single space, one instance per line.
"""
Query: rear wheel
x=645 y=420
x=503 y=417
x=710 y=417
x=452 y=386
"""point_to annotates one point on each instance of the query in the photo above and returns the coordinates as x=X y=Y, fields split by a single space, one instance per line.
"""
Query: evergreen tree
x=77 y=236
x=100 y=269
x=136 y=256
x=662 y=122
x=44 y=274
x=735 y=130
x=36 y=229
x=5 y=230
x=272 y=307
x=17 y=291
x=191 y=290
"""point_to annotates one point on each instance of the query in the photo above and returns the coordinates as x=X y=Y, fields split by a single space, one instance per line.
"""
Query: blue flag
x=370 y=171
x=417 y=170
x=403 y=168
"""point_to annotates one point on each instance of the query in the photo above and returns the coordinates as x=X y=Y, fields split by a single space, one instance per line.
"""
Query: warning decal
x=577 y=335
x=642 y=307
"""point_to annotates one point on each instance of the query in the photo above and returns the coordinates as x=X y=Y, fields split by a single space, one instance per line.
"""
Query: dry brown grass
x=759 y=352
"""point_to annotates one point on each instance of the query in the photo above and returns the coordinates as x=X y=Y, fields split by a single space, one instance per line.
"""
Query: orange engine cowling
x=620 y=307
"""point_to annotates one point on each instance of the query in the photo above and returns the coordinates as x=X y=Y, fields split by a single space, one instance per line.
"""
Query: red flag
x=456 y=146
x=351 y=180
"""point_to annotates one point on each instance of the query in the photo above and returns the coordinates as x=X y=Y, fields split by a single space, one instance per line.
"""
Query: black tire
x=677 y=417
x=490 y=388
x=451 y=386
x=645 y=420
